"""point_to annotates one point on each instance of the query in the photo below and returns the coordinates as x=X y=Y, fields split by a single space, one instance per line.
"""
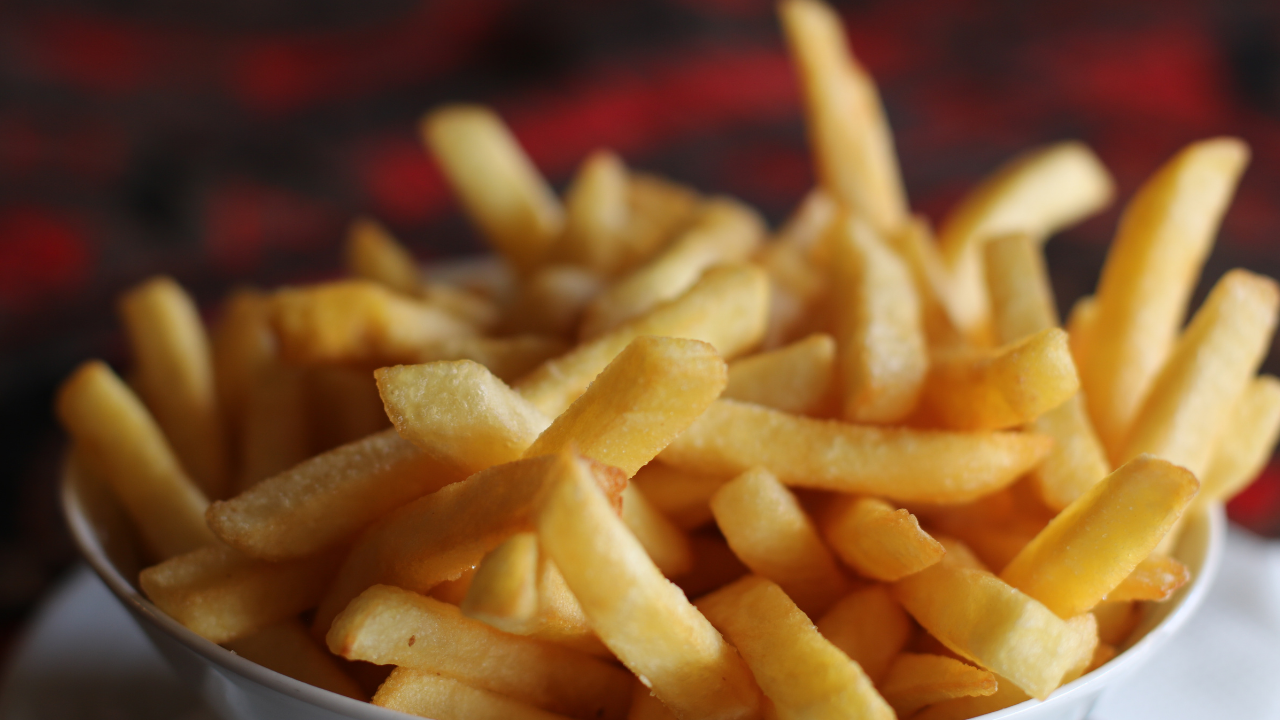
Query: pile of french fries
x=661 y=462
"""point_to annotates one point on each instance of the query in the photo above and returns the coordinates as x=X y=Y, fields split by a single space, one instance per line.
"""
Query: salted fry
x=914 y=681
x=289 y=649
x=1247 y=442
x=373 y=254
x=1151 y=269
x=869 y=626
x=667 y=545
x=879 y=541
x=430 y=695
x=795 y=379
x=596 y=214
x=683 y=497
x=1156 y=578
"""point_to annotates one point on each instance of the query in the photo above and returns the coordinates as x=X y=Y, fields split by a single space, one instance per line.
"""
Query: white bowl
x=238 y=689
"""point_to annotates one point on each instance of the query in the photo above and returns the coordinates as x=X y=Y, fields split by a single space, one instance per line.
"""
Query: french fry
x=221 y=594
x=883 y=354
x=1038 y=193
x=1080 y=325
x=726 y=308
x=1085 y=629
x=1006 y=695
x=1152 y=267
x=241 y=344
x=869 y=626
x=289 y=649
x=682 y=497
x=454 y=591
x=797 y=378
x=724 y=231
x=807 y=225
x=637 y=613
x=470 y=306
x=113 y=430
x=430 y=695
x=797 y=294
x=390 y=626
x=659 y=209
x=1002 y=388
x=769 y=531
x=849 y=135
x=275 y=429
x=878 y=540
x=1116 y=621
x=1156 y=578
x=596 y=214
x=373 y=254
x=914 y=681
x=644 y=398
x=896 y=463
x=915 y=244
x=1211 y=365
x=1092 y=545
x=551 y=301
x=508 y=358
x=994 y=543
x=174 y=377
x=504 y=589
x=797 y=668
x=344 y=405
x=666 y=544
x=646 y=706
x=500 y=189
x=1102 y=655
x=714 y=564
x=1247 y=442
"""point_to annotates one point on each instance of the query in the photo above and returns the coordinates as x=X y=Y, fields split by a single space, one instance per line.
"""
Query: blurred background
x=230 y=143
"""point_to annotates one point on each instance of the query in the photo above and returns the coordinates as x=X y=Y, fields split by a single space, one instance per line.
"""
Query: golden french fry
x=1246 y=443
x=289 y=649
x=454 y=591
x=430 y=695
x=1116 y=621
x=769 y=531
x=499 y=187
x=726 y=308
x=848 y=132
x=795 y=379
x=113 y=430
x=596 y=214
x=1155 y=578
x=344 y=405
x=807 y=225
x=797 y=291
x=896 y=463
x=994 y=543
x=644 y=619
x=1151 y=269
x=471 y=306
x=869 y=626
x=174 y=377
x=646 y=706
x=221 y=594
x=1211 y=365
x=915 y=244
x=508 y=358
x=914 y=681
x=1092 y=545
x=373 y=254
x=682 y=497
x=275 y=427
x=504 y=590
x=646 y=396
x=878 y=540
x=390 y=626
x=883 y=355
x=1085 y=628
x=1001 y=388
x=1006 y=695
x=659 y=209
x=551 y=301
x=724 y=231
x=1102 y=655
x=797 y=668
x=241 y=344
x=666 y=544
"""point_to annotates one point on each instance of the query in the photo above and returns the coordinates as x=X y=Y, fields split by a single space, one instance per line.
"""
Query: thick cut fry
x=883 y=355
x=879 y=541
x=1247 y=442
x=1152 y=267
x=869 y=626
x=504 y=589
x=1006 y=695
x=725 y=231
x=509 y=358
x=797 y=668
x=914 y=681
x=500 y=189
x=639 y=403
x=454 y=591
x=430 y=695
x=915 y=244
x=683 y=497
x=795 y=379
x=1002 y=388
x=390 y=626
x=221 y=594
x=1092 y=545
x=437 y=537
x=1038 y=193
x=666 y=544
x=897 y=463
x=328 y=499
x=459 y=413
x=242 y=343
x=727 y=308
x=644 y=619
x=174 y=377
x=769 y=531
x=1157 y=577
x=1209 y=368
x=290 y=650
x=797 y=290
x=275 y=430
x=848 y=132
x=659 y=209
x=373 y=254
x=122 y=442
x=596 y=214
x=551 y=301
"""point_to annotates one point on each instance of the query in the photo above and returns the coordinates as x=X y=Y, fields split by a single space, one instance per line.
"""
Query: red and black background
x=231 y=142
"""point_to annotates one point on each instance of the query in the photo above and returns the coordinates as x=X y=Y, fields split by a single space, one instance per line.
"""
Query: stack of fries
x=660 y=464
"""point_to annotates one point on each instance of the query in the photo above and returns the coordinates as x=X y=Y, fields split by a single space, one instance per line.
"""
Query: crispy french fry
x=769 y=531
x=848 y=132
x=1152 y=267
x=373 y=254
x=682 y=497
x=174 y=377
x=726 y=308
x=878 y=540
x=725 y=231
x=1157 y=577
x=666 y=544
x=289 y=649
x=1006 y=695
x=117 y=435
x=387 y=625
x=499 y=187
x=275 y=430
x=1247 y=442
x=914 y=681
x=994 y=543
x=797 y=668
x=1211 y=365
x=596 y=214
x=645 y=620
x=504 y=589
x=883 y=355
x=869 y=626
x=659 y=209
x=508 y=358
x=431 y=695
x=896 y=463
x=221 y=594
x=344 y=405
x=795 y=379
x=1092 y=545
x=552 y=300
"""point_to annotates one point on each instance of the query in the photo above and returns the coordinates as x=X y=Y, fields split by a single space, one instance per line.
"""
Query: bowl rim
x=91 y=549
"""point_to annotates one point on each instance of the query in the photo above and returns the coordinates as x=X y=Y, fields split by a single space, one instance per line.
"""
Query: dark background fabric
x=229 y=143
